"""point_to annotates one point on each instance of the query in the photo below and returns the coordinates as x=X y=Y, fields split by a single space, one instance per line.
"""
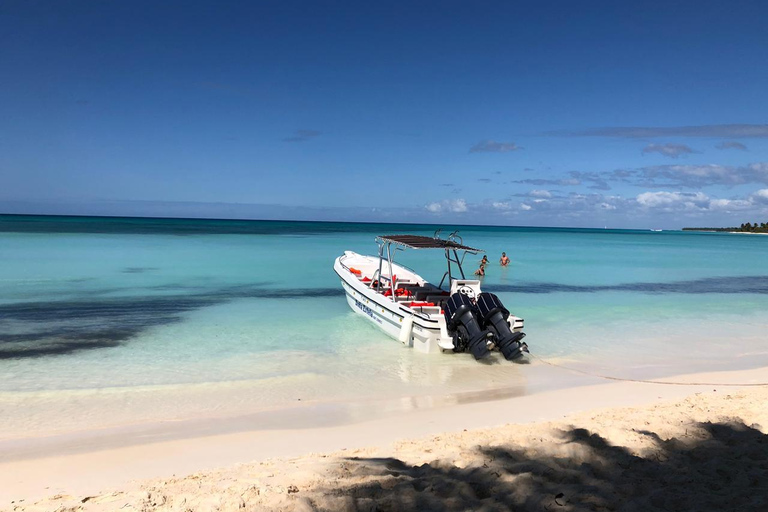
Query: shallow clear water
x=131 y=320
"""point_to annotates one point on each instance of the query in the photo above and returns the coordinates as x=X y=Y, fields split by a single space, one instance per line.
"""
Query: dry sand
x=688 y=448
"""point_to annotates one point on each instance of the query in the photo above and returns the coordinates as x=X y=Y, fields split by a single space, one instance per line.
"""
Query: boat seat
x=414 y=287
x=423 y=292
x=435 y=299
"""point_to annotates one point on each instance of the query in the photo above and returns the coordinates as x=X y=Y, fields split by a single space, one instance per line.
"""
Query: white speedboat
x=461 y=318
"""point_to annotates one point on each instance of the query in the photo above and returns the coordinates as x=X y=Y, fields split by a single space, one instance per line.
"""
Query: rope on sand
x=609 y=377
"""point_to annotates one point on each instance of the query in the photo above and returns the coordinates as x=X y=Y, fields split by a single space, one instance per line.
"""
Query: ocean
x=106 y=322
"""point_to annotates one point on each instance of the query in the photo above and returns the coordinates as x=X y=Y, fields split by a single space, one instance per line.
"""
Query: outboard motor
x=460 y=317
x=494 y=315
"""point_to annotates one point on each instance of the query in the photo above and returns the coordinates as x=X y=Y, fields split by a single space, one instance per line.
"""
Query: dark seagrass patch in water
x=44 y=328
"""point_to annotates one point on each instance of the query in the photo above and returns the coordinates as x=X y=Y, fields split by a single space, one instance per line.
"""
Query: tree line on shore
x=747 y=227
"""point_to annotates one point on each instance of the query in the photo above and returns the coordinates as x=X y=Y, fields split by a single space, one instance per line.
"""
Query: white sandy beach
x=608 y=446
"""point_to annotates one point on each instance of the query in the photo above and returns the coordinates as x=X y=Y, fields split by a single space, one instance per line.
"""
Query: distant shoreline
x=735 y=231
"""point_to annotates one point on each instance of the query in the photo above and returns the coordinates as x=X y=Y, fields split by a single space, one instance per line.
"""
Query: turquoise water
x=131 y=320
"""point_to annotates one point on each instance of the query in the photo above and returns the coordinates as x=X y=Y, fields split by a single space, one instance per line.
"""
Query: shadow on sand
x=712 y=466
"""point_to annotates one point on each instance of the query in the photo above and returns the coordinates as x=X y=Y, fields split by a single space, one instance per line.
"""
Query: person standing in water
x=483 y=264
x=504 y=261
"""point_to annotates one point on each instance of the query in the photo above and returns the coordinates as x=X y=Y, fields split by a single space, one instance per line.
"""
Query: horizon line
x=80 y=216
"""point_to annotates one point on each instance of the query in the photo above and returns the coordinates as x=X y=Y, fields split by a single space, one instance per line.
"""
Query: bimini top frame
x=452 y=245
x=428 y=242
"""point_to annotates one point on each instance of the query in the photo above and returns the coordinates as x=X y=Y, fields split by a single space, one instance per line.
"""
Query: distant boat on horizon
x=656 y=230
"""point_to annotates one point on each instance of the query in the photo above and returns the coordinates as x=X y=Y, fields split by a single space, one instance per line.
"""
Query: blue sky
x=548 y=113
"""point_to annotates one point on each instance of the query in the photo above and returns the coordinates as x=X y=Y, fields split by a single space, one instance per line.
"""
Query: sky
x=552 y=113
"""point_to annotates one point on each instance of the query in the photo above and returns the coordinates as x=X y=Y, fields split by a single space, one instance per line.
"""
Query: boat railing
x=455 y=237
x=376 y=280
x=442 y=280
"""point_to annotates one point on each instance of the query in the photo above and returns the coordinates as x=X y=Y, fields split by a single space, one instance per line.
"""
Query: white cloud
x=730 y=204
x=448 y=205
x=458 y=205
x=540 y=193
x=690 y=202
x=667 y=199
x=665 y=208
x=761 y=196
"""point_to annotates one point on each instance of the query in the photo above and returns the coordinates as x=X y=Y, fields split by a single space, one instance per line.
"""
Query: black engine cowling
x=461 y=317
x=494 y=315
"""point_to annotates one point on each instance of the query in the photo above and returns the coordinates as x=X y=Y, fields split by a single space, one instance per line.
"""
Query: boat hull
x=424 y=334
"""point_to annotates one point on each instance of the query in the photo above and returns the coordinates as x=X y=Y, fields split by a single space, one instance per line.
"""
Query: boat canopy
x=426 y=242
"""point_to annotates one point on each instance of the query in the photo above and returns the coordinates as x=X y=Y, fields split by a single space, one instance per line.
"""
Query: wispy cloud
x=670 y=150
x=453 y=187
x=593 y=180
x=663 y=176
x=695 y=176
x=727 y=131
x=544 y=181
x=731 y=144
x=303 y=136
x=484 y=180
x=491 y=146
